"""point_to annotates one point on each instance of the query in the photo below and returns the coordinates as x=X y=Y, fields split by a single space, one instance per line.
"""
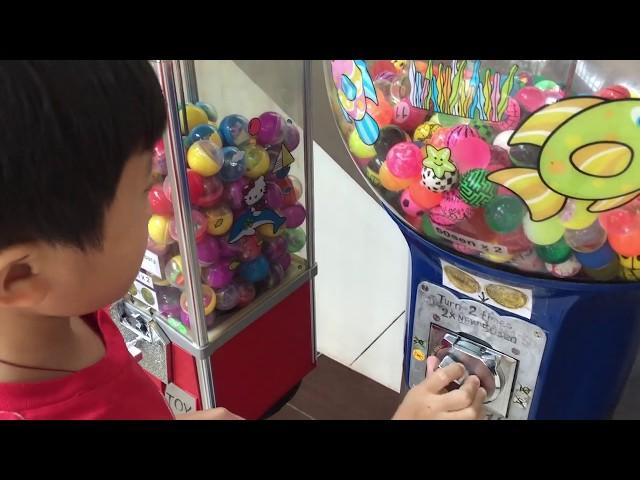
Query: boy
x=75 y=168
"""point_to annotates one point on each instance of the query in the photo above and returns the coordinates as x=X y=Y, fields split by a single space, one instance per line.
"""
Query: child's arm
x=430 y=401
x=211 y=414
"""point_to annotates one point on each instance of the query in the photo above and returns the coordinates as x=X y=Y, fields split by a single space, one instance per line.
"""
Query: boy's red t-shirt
x=115 y=388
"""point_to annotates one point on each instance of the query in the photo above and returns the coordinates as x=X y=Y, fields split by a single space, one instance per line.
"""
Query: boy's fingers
x=462 y=397
x=442 y=377
x=432 y=363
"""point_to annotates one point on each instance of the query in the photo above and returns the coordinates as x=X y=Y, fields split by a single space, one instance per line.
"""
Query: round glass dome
x=526 y=164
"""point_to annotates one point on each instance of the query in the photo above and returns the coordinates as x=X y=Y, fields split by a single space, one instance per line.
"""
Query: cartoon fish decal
x=354 y=86
x=588 y=148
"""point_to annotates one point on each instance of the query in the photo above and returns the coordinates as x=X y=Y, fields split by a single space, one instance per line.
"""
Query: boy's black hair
x=67 y=129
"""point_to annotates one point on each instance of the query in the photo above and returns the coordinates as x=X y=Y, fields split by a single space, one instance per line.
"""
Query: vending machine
x=516 y=186
x=222 y=310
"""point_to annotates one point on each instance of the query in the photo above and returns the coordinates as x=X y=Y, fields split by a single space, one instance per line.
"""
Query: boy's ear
x=20 y=284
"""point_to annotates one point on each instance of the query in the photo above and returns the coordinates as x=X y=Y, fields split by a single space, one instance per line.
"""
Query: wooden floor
x=334 y=392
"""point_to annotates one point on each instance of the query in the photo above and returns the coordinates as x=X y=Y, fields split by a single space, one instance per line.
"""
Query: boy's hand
x=211 y=414
x=430 y=401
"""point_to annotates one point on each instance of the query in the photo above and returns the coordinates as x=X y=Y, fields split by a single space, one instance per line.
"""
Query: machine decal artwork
x=258 y=214
x=513 y=299
x=354 y=86
x=445 y=89
x=587 y=152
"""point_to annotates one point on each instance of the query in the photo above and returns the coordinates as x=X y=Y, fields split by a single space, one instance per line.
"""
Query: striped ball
x=475 y=189
x=458 y=133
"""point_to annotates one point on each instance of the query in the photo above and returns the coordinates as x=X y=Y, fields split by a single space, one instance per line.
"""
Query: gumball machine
x=221 y=313
x=517 y=187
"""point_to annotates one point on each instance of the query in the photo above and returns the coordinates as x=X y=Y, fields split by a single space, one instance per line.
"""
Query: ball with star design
x=439 y=174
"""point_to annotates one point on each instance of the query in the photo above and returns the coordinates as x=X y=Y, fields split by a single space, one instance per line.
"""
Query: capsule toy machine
x=516 y=184
x=222 y=312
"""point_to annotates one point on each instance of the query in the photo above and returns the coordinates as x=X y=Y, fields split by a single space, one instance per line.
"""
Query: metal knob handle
x=477 y=361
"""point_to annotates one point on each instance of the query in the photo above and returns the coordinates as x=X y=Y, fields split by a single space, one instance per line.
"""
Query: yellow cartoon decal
x=587 y=153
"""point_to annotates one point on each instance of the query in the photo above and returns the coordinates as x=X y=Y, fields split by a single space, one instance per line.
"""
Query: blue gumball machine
x=516 y=185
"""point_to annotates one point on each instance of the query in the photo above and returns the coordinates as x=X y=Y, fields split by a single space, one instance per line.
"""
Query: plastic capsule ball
x=459 y=132
x=195 y=183
x=284 y=260
x=497 y=257
x=530 y=98
x=614 y=92
x=587 y=239
x=198 y=223
x=269 y=230
x=208 y=300
x=606 y=273
x=271 y=129
x=210 y=110
x=234 y=193
x=575 y=215
x=409 y=206
x=358 y=148
x=557 y=252
x=296 y=239
x=291 y=136
x=219 y=220
x=255 y=270
x=205 y=158
x=227 y=298
x=515 y=241
x=168 y=301
x=439 y=138
x=630 y=267
x=388 y=137
x=502 y=139
x=275 y=248
x=408 y=117
x=623 y=228
x=524 y=155
x=234 y=130
x=470 y=153
x=159 y=159
x=158 y=228
x=160 y=204
x=205 y=132
x=404 y=160
x=157 y=248
x=213 y=190
x=543 y=233
x=528 y=261
x=422 y=196
x=451 y=210
x=246 y=292
x=195 y=116
x=274 y=277
x=391 y=182
x=295 y=215
x=475 y=189
x=208 y=251
x=249 y=248
x=234 y=164
x=173 y=272
x=597 y=259
x=219 y=275
x=273 y=196
x=568 y=268
x=504 y=213
x=291 y=189
x=256 y=161
x=425 y=131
